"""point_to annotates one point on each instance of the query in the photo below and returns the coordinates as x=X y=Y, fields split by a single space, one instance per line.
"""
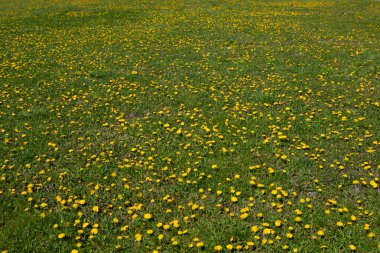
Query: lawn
x=189 y=126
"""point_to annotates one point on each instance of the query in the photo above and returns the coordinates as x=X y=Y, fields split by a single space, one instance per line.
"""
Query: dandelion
x=218 y=248
x=254 y=229
x=138 y=237
x=244 y=215
x=234 y=199
x=371 y=235
x=320 y=233
x=373 y=184
x=267 y=231
x=147 y=216
x=199 y=244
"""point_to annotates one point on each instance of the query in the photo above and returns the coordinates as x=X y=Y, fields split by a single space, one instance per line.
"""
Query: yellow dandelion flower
x=289 y=235
x=138 y=237
x=199 y=244
x=94 y=231
x=147 y=216
x=244 y=215
x=218 y=248
x=320 y=233
x=267 y=231
x=371 y=235
x=373 y=184
x=254 y=229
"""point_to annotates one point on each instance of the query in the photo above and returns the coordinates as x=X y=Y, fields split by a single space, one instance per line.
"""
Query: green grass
x=171 y=108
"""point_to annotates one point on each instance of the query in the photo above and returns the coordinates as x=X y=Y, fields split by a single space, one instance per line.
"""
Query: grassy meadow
x=189 y=126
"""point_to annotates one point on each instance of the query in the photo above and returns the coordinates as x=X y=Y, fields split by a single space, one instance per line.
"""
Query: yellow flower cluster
x=189 y=126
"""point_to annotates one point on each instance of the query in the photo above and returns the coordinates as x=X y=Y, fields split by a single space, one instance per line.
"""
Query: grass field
x=189 y=126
